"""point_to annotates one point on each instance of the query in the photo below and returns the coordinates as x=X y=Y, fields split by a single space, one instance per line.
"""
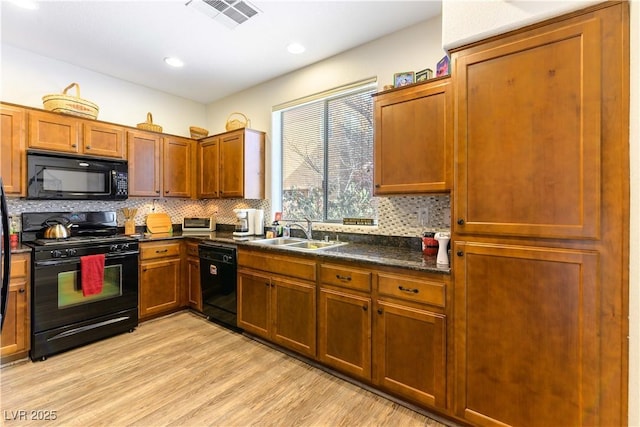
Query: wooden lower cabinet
x=527 y=330
x=344 y=332
x=160 y=277
x=277 y=299
x=16 y=329
x=344 y=319
x=410 y=353
x=193 y=290
x=279 y=309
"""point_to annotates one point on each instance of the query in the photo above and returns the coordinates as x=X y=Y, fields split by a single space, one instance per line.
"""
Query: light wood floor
x=182 y=370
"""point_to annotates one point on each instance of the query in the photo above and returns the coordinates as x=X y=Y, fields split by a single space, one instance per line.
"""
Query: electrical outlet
x=423 y=216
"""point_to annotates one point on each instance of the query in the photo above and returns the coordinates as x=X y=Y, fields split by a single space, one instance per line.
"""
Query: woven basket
x=233 y=124
x=148 y=125
x=72 y=105
x=197 y=133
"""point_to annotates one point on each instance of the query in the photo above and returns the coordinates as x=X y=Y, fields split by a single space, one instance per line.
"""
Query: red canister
x=429 y=244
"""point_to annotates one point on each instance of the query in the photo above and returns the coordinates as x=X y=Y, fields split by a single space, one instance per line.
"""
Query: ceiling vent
x=231 y=13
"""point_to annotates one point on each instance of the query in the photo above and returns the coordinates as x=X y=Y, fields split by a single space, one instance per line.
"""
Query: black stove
x=64 y=314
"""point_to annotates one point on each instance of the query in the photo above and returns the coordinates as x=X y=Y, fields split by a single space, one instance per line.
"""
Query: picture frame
x=404 y=78
x=423 y=75
x=442 y=68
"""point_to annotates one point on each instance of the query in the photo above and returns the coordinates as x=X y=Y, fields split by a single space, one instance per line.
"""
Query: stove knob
x=56 y=253
x=125 y=246
x=71 y=252
x=113 y=248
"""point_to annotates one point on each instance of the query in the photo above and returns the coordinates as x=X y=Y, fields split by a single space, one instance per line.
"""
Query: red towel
x=92 y=274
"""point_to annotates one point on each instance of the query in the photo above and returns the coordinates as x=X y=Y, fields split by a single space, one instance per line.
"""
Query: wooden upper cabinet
x=57 y=132
x=177 y=175
x=231 y=165
x=12 y=149
x=528 y=160
x=413 y=139
x=101 y=139
x=527 y=330
x=144 y=153
x=208 y=176
x=51 y=131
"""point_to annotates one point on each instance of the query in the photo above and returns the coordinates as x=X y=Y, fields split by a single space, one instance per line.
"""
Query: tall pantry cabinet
x=540 y=247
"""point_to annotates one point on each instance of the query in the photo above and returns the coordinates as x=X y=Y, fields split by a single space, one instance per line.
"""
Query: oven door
x=57 y=298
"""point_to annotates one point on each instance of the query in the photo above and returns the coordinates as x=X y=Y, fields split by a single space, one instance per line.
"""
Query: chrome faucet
x=308 y=232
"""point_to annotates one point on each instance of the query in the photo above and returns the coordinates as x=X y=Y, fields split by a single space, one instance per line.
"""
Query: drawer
x=192 y=249
x=278 y=264
x=159 y=250
x=346 y=277
x=412 y=289
x=19 y=265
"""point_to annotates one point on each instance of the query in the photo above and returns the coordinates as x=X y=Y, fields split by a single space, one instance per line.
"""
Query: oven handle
x=75 y=260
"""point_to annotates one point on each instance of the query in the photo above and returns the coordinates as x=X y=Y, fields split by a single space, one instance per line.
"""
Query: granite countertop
x=360 y=252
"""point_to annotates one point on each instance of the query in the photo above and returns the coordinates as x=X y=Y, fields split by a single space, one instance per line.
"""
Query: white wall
x=26 y=77
x=467 y=21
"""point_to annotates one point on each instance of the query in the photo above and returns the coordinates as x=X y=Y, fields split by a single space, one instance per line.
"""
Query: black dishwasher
x=218 y=268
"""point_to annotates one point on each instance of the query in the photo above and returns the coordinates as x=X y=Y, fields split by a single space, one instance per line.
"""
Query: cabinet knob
x=379 y=311
x=365 y=308
x=21 y=290
x=377 y=185
x=88 y=147
x=166 y=191
x=74 y=145
x=460 y=221
x=267 y=284
x=460 y=253
x=157 y=191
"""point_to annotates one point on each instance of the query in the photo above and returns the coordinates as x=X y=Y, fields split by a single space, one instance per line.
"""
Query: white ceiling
x=129 y=39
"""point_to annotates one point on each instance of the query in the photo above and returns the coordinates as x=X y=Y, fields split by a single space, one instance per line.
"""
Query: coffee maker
x=245 y=222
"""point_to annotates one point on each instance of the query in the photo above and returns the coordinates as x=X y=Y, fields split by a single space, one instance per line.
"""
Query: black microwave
x=54 y=176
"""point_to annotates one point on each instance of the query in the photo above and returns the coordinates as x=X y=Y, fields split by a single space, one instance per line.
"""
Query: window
x=327 y=156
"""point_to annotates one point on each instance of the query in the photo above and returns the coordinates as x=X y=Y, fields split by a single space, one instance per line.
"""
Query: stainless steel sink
x=314 y=244
x=298 y=244
x=278 y=241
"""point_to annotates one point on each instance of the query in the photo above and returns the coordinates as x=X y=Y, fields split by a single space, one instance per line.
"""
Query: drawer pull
x=162 y=251
x=343 y=278
x=403 y=289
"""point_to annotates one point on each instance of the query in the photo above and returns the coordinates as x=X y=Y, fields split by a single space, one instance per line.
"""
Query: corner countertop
x=369 y=254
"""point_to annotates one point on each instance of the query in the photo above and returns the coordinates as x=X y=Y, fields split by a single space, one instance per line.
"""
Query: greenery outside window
x=327 y=156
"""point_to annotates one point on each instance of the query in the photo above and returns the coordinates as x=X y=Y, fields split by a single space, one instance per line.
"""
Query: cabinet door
x=15 y=331
x=232 y=165
x=254 y=303
x=143 y=152
x=528 y=158
x=159 y=287
x=294 y=315
x=194 y=292
x=410 y=353
x=49 y=131
x=413 y=139
x=176 y=173
x=208 y=168
x=12 y=149
x=103 y=140
x=344 y=328
x=526 y=344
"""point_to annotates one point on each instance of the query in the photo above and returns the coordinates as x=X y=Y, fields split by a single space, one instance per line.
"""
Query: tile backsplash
x=397 y=216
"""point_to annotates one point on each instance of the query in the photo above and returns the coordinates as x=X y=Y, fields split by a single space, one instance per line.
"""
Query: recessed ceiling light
x=295 y=48
x=174 y=62
x=25 y=4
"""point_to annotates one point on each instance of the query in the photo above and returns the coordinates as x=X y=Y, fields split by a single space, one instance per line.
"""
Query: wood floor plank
x=182 y=370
